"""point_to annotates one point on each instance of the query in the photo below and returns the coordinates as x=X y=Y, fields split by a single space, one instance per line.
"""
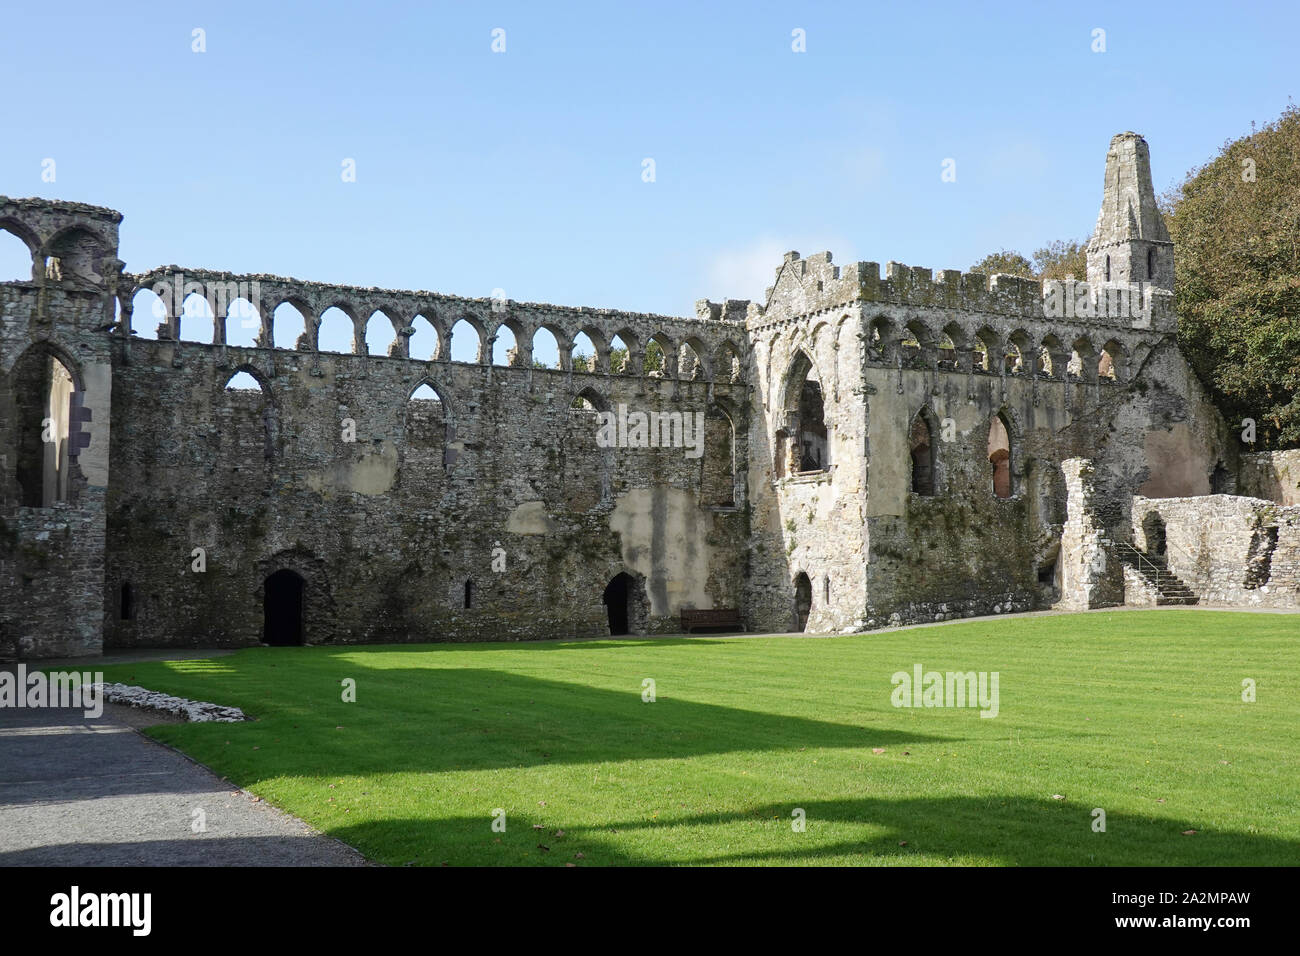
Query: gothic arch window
x=805 y=410
x=999 y=452
x=921 y=441
x=50 y=436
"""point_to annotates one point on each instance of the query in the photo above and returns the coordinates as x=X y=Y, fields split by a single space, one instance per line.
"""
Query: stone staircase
x=1169 y=588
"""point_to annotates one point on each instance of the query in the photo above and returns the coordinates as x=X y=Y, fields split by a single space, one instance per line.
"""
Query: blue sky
x=522 y=170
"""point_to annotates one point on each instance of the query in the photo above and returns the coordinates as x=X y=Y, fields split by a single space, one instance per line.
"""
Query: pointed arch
x=587 y=399
x=999 y=449
x=804 y=417
x=718 y=468
x=923 y=439
x=692 y=361
x=48 y=398
x=1112 y=365
x=660 y=357
x=336 y=331
x=428 y=429
x=17 y=254
x=242 y=323
x=1053 y=357
x=247 y=418
x=196 y=322
x=510 y=344
x=727 y=365
x=242 y=381
x=548 y=347
x=1083 y=360
x=423 y=342
x=589 y=351
x=882 y=340
x=466 y=341
x=625 y=353
x=289 y=325
x=148 y=311
x=987 y=348
x=1019 y=353
x=380 y=333
x=78 y=250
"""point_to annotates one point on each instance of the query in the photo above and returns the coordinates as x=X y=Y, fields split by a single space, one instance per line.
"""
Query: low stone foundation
x=195 y=711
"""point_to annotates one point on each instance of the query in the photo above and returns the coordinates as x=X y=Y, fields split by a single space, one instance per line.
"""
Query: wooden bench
x=726 y=618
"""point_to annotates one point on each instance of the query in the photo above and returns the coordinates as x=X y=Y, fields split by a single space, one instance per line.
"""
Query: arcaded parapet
x=703 y=348
x=1228 y=549
x=1272 y=475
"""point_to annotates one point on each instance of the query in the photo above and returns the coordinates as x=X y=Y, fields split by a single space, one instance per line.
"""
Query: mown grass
x=1137 y=713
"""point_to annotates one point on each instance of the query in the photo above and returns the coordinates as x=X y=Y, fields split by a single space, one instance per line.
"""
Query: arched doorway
x=617 y=598
x=282 y=608
x=802 y=600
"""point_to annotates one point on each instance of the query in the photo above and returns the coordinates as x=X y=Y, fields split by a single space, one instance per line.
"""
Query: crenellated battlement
x=813 y=285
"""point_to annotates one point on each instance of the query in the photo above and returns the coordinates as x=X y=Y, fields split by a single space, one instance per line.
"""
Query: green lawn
x=1139 y=713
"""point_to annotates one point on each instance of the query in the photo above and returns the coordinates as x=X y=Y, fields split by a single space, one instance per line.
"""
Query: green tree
x=1006 y=261
x=1235 y=223
x=1061 y=259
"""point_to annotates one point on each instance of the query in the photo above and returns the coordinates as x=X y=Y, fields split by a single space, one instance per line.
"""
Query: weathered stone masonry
x=877 y=449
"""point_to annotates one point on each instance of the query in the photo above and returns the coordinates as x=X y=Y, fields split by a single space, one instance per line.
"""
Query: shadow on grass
x=1002 y=830
x=434 y=720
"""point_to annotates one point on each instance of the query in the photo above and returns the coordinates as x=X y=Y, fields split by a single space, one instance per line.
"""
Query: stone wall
x=55 y=366
x=1272 y=475
x=387 y=530
x=1229 y=549
x=1147 y=426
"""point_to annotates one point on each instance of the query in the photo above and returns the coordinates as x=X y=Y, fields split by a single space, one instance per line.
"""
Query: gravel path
x=94 y=792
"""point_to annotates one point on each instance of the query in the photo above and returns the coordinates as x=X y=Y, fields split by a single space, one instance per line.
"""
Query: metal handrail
x=1161 y=574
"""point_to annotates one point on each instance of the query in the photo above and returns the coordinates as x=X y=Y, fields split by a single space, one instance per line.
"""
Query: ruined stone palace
x=874 y=450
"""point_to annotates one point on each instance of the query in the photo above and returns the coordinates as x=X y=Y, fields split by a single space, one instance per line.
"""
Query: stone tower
x=1130 y=243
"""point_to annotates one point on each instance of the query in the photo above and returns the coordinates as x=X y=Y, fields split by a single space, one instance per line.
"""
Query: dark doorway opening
x=1153 y=529
x=1219 y=484
x=616 y=597
x=282 y=606
x=802 y=600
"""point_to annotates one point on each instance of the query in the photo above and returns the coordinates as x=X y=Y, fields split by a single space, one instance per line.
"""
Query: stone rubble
x=195 y=711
